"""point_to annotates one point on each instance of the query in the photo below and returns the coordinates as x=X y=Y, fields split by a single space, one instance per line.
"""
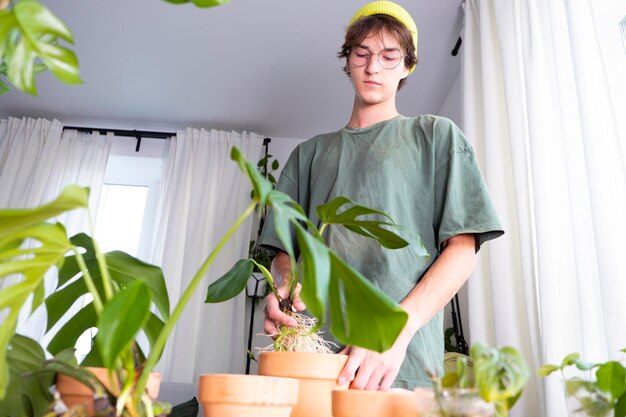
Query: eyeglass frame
x=377 y=57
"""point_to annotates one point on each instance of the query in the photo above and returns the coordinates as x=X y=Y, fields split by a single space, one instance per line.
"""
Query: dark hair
x=375 y=24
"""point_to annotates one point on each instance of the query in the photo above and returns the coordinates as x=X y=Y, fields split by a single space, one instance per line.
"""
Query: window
x=129 y=197
x=128 y=203
x=121 y=217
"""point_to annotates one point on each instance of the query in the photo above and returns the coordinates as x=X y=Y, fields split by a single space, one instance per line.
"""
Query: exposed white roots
x=301 y=338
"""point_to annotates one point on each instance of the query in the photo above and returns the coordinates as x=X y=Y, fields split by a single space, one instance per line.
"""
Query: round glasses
x=387 y=58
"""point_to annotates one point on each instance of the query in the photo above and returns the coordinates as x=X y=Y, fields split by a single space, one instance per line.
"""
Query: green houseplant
x=599 y=390
x=329 y=286
x=495 y=377
x=124 y=290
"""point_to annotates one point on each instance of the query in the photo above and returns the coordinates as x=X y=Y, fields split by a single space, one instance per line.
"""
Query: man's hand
x=377 y=371
x=370 y=370
x=274 y=316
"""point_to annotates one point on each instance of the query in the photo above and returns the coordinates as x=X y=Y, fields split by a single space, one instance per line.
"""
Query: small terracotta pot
x=74 y=392
x=317 y=374
x=227 y=395
x=358 y=403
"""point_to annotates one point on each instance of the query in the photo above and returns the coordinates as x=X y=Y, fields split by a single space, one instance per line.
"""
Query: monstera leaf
x=27 y=393
x=359 y=313
x=201 y=3
x=29 y=263
x=30 y=33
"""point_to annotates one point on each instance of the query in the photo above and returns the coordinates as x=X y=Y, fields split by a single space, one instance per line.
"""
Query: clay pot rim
x=312 y=354
x=247 y=376
x=302 y=365
x=247 y=390
x=372 y=393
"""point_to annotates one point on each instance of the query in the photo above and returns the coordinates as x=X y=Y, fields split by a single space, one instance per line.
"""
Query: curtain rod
x=122 y=132
x=137 y=134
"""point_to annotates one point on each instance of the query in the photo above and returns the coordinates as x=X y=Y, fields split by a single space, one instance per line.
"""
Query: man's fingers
x=298 y=305
x=351 y=366
x=388 y=379
x=274 y=316
x=270 y=328
x=374 y=382
x=278 y=316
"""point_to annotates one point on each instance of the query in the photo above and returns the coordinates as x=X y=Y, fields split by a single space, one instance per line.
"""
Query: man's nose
x=372 y=66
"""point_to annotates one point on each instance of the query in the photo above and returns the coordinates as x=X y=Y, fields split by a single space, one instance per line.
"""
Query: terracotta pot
x=317 y=374
x=358 y=403
x=227 y=395
x=74 y=392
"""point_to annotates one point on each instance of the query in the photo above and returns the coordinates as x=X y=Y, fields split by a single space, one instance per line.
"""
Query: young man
x=421 y=171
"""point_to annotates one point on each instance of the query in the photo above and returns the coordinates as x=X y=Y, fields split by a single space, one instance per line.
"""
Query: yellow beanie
x=389 y=8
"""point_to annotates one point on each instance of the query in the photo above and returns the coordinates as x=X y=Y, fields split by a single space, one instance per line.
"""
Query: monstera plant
x=31 y=38
x=126 y=293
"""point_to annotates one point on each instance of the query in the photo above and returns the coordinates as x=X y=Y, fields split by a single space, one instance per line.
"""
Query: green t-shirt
x=423 y=173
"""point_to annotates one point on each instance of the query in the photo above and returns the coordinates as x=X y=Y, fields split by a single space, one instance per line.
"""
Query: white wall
x=281 y=149
x=452 y=106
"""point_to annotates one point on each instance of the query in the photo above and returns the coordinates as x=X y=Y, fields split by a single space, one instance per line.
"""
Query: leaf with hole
x=39 y=31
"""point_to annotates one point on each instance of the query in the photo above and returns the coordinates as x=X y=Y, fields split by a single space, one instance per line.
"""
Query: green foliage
x=27 y=395
x=499 y=374
x=267 y=165
x=30 y=263
x=351 y=218
x=368 y=317
x=124 y=288
x=231 y=284
x=599 y=394
x=122 y=318
x=30 y=36
x=124 y=270
x=359 y=313
x=121 y=307
x=201 y=3
x=449 y=345
x=30 y=33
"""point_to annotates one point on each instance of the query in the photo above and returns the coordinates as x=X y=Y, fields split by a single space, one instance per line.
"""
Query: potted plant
x=332 y=290
x=488 y=387
x=598 y=390
x=122 y=288
x=125 y=309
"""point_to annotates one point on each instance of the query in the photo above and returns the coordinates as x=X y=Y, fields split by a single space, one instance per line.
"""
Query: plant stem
x=154 y=355
x=97 y=303
x=296 y=273
x=269 y=278
x=106 y=277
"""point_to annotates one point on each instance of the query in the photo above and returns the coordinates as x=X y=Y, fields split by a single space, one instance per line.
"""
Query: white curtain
x=203 y=194
x=37 y=159
x=544 y=121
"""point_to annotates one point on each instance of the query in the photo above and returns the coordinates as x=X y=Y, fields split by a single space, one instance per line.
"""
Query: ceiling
x=266 y=66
